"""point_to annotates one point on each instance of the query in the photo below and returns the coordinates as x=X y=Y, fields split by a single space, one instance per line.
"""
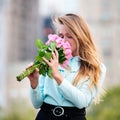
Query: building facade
x=21 y=19
x=22 y=24
x=3 y=86
x=103 y=17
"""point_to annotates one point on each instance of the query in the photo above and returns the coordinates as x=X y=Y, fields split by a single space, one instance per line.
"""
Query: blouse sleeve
x=37 y=94
x=81 y=96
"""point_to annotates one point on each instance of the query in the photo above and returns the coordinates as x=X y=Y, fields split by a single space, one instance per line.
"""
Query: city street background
x=22 y=21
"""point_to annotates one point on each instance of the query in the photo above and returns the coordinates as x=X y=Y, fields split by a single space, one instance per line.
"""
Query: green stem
x=27 y=72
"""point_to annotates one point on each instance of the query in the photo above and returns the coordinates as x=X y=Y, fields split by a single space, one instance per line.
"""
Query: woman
x=72 y=90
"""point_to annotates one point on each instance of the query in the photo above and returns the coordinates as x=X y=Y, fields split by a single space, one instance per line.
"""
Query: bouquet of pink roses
x=45 y=50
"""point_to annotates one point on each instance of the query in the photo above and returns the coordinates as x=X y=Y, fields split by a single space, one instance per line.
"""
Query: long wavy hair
x=77 y=27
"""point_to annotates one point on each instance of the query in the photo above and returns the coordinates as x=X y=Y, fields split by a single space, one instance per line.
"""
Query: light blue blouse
x=65 y=94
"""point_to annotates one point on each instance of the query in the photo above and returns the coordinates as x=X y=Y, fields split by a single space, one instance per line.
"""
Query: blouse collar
x=74 y=64
x=75 y=58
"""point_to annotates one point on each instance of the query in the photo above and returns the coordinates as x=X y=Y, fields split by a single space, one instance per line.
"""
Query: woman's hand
x=53 y=64
x=33 y=77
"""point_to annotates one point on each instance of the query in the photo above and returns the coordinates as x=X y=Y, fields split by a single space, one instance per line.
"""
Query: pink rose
x=48 y=42
x=52 y=37
x=60 y=44
x=67 y=45
x=68 y=56
x=59 y=40
x=65 y=63
x=67 y=51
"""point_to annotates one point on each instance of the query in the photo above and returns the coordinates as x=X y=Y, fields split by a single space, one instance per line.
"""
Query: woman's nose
x=65 y=39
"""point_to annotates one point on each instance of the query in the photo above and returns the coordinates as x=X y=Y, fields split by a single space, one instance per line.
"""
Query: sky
x=51 y=6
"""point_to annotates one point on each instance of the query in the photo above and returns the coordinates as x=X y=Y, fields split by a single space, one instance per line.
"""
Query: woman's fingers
x=56 y=53
x=45 y=60
x=35 y=73
x=30 y=65
x=53 y=55
x=54 y=60
x=36 y=69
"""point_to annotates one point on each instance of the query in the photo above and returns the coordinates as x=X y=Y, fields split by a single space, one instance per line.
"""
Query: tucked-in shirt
x=65 y=94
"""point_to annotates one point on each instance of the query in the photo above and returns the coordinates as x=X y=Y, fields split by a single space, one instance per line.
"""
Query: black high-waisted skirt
x=51 y=112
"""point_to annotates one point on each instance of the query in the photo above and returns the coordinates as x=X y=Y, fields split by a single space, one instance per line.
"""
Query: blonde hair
x=89 y=58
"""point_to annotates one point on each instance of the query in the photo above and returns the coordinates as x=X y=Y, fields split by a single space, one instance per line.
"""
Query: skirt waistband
x=59 y=111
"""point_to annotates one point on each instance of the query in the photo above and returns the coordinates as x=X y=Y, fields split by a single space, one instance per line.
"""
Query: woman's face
x=67 y=37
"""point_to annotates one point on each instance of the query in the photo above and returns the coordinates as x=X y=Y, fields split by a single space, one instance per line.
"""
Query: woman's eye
x=69 y=37
x=61 y=36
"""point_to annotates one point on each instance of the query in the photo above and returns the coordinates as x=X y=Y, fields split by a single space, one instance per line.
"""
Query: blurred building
x=22 y=24
x=104 y=18
x=47 y=28
x=2 y=58
x=21 y=29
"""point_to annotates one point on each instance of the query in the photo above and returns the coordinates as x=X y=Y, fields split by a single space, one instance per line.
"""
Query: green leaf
x=39 y=58
x=39 y=43
x=52 y=46
x=36 y=62
x=43 y=69
x=49 y=73
x=41 y=52
x=60 y=51
x=61 y=60
x=48 y=55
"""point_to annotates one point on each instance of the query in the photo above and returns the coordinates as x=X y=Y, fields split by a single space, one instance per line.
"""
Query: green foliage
x=109 y=109
x=20 y=111
x=45 y=51
x=61 y=56
x=52 y=46
x=38 y=43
